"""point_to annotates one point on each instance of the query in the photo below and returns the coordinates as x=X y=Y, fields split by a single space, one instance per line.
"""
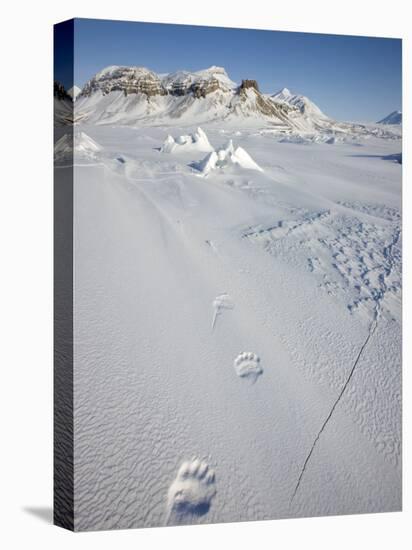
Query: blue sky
x=352 y=78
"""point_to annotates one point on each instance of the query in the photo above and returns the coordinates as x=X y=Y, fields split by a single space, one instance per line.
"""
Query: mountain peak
x=129 y=80
x=301 y=102
x=219 y=73
x=249 y=84
x=285 y=92
x=216 y=69
x=113 y=71
x=395 y=117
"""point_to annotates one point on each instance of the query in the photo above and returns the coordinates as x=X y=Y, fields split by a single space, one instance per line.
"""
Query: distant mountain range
x=136 y=95
x=393 y=118
x=127 y=95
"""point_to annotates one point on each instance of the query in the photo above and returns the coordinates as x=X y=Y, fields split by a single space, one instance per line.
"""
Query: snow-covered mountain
x=307 y=113
x=127 y=95
x=393 y=118
x=301 y=102
x=120 y=95
x=181 y=81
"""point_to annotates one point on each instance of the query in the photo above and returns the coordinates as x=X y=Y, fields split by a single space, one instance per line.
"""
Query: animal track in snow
x=220 y=303
x=377 y=210
x=247 y=365
x=356 y=259
x=314 y=264
x=286 y=228
x=192 y=491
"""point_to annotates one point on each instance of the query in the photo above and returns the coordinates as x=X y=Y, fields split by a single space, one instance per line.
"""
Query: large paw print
x=247 y=365
x=192 y=490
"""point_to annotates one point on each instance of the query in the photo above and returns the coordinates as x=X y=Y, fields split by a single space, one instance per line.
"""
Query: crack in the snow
x=372 y=327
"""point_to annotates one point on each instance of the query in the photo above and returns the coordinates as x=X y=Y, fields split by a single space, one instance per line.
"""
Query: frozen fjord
x=291 y=276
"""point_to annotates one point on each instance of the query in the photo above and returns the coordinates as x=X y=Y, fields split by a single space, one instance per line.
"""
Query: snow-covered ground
x=237 y=335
